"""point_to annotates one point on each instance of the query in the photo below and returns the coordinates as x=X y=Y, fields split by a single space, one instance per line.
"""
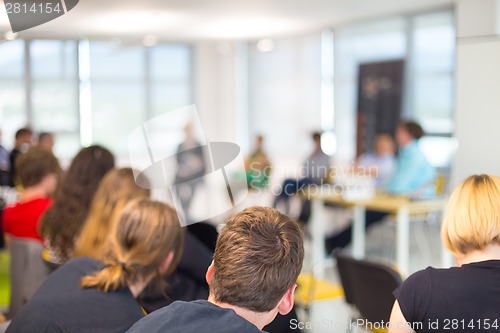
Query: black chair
x=368 y=287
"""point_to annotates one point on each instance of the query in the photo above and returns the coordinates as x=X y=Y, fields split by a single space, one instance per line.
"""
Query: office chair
x=313 y=287
x=27 y=272
x=368 y=288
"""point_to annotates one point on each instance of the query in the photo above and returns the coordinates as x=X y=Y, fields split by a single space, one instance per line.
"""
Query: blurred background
x=281 y=69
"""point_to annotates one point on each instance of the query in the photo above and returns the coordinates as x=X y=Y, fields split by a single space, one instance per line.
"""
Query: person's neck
x=34 y=192
x=259 y=319
x=406 y=145
x=491 y=252
x=137 y=287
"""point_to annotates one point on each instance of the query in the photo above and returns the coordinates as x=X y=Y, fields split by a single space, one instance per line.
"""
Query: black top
x=61 y=305
x=187 y=283
x=458 y=299
x=193 y=317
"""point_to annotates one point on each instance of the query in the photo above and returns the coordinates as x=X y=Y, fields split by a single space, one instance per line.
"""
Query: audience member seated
x=38 y=171
x=315 y=171
x=62 y=222
x=187 y=283
x=116 y=189
x=5 y=179
x=464 y=298
x=380 y=163
x=46 y=141
x=414 y=177
x=23 y=142
x=87 y=295
x=258 y=166
x=252 y=278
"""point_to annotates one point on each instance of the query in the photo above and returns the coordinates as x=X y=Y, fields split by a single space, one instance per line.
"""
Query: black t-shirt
x=458 y=299
x=193 y=317
x=61 y=305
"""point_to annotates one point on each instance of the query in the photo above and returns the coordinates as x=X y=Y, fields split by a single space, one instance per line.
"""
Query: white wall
x=478 y=94
x=478 y=109
x=285 y=96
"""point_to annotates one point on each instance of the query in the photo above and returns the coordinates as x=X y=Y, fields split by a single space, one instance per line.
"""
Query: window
x=118 y=93
x=54 y=93
x=427 y=43
x=12 y=90
x=89 y=92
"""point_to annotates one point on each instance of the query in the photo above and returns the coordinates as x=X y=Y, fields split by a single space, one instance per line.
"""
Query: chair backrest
x=368 y=286
x=27 y=272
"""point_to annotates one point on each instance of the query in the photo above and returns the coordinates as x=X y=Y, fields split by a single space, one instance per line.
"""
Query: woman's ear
x=210 y=273
x=166 y=263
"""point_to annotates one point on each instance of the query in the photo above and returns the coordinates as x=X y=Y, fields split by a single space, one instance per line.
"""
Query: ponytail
x=112 y=277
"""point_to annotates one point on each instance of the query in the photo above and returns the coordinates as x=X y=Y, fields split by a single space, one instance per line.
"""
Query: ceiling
x=214 y=19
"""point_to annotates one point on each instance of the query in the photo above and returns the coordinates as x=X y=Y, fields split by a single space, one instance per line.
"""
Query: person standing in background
x=24 y=141
x=46 y=141
x=258 y=166
x=190 y=167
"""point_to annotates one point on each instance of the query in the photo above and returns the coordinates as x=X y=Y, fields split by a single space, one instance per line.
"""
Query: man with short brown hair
x=257 y=260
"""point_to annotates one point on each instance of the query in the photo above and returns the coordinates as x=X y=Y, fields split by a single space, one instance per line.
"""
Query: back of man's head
x=33 y=166
x=258 y=257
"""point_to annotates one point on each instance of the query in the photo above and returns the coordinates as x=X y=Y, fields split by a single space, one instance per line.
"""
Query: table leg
x=359 y=232
x=403 y=240
x=318 y=231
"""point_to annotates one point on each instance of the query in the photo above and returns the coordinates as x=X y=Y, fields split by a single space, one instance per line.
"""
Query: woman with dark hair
x=62 y=223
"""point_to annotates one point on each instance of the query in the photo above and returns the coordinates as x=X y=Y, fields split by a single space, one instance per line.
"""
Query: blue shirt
x=414 y=175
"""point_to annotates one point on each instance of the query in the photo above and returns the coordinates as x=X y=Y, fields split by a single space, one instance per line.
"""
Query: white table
x=401 y=207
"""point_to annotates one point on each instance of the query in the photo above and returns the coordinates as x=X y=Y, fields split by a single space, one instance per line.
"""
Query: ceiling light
x=149 y=40
x=10 y=35
x=265 y=45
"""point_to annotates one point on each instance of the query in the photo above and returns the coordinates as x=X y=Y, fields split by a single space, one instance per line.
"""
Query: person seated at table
x=464 y=298
x=257 y=260
x=414 y=177
x=38 y=170
x=380 y=163
x=258 y=166
x=315 y=171
x=62 y=222
x=89 y=295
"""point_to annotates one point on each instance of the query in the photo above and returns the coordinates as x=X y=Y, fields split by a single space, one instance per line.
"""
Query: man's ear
x=166 y=263
x=286 y=303
x=210 y=273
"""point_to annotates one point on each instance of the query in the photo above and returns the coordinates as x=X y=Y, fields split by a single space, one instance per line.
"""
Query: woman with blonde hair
x=87 y=295
x=464 y=298
x=116 y=189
